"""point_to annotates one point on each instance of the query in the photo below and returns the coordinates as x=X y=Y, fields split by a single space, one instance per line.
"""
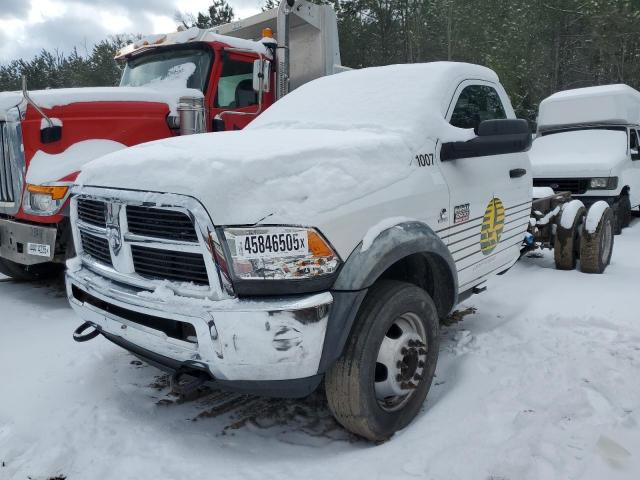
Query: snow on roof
x=66 y=96
x=409 y=100
x=607 y=104
x=191 y=35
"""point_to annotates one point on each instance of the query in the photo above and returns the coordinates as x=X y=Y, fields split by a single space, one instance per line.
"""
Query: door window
x=475 y=104
x=235 y=87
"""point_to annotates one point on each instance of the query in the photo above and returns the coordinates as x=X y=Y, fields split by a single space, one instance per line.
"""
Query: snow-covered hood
x=66 y=96
x=282 y=176
x=581 y=153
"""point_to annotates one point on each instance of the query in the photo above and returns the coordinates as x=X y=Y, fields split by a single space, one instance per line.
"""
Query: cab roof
x=603 y=105
x=192 y=35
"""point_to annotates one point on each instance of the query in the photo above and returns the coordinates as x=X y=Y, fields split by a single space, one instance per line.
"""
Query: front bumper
x=267 y=339
x=27 y=244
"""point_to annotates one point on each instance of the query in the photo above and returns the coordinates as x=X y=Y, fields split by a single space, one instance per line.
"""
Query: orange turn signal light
x=267 y=33
x=57 y=192
x=318 y=247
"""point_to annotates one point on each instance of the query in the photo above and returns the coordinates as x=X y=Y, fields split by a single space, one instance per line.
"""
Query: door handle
x=517 y=172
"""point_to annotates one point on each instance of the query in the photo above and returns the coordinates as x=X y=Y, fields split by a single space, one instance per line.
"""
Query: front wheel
x=381 y=380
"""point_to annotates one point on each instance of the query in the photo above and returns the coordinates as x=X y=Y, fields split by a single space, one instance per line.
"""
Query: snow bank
x=45 y=167
x=67 y=96
x=408 y=100
x=375 y=231
x=580 y=153
x=616 y=104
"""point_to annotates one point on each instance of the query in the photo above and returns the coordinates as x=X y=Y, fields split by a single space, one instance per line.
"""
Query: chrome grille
x=7 y=194
x=141 y=238
x=160 y=223
x=577 y=186
x=96 y=247
x=174 y=266
x=93 y=212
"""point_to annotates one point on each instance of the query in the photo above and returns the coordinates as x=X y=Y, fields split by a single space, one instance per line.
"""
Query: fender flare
x=363 y=268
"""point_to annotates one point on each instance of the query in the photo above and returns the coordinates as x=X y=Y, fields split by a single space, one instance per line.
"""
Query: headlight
x=603 y=183
x=44 y=199
x=279 y=253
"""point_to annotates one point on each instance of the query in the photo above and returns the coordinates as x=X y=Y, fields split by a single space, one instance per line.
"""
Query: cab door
x=490 y=195
x=235 y=101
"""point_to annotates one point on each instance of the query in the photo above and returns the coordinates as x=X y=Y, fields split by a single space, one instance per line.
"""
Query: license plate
x=269 y=245
x=38 y=249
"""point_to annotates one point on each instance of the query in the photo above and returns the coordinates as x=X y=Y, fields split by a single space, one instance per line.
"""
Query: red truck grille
x=6 y=173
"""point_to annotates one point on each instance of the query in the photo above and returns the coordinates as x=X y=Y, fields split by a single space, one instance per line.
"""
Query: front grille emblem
x=114 y=233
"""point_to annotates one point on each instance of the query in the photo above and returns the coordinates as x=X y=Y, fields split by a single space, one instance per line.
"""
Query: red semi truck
x=186 y=82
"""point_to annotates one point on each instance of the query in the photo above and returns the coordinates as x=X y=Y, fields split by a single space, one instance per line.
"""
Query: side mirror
x=635 y=154
x=495 y=137
x=261 y=75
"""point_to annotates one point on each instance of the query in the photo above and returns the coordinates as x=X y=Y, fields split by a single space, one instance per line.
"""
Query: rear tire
x=567 y=241
x=382 y=355
x=596 y=248
x=29 y=273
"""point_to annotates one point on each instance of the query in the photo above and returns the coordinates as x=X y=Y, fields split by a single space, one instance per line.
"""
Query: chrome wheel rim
x=401 y=362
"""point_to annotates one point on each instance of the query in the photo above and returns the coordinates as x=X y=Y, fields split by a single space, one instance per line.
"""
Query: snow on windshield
x=176 y=77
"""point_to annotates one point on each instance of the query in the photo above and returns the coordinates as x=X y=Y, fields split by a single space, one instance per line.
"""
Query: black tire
x=596 y=248
x=351 y=383
x=567 y=241
x=29 y=273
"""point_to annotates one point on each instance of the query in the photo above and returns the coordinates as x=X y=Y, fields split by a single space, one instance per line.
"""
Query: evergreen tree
x=220 y=12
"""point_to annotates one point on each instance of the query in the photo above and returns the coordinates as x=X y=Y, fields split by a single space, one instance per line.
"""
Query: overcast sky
x=28 y=26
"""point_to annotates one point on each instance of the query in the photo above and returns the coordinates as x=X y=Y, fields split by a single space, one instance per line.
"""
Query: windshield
x=169 y=69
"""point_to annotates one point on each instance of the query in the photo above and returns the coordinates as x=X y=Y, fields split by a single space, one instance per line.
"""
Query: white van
x=587 y=144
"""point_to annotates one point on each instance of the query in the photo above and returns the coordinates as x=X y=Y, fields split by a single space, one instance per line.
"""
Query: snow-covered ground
x=541 y=382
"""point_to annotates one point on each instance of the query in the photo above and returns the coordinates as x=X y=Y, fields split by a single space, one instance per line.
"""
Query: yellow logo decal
x=492 y=226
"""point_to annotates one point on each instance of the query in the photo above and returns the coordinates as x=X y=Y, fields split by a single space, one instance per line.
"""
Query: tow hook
x=80 y=336
x=185 y=382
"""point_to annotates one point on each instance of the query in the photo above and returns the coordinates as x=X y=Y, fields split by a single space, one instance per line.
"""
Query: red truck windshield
x=169 y=68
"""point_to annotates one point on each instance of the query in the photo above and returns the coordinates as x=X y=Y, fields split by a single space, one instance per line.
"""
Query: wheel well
x=429 y=272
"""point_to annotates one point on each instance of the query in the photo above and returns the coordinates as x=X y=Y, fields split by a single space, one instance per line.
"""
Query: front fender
x=364 y=267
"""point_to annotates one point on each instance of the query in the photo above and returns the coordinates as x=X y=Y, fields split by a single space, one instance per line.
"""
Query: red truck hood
x=49 y=99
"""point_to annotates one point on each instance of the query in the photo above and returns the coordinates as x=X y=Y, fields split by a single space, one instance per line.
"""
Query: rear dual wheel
x=566 y=246
x=596 y=245
x=381 y=381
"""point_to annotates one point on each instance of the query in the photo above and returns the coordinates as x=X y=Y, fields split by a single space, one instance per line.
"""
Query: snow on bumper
x=253 y=340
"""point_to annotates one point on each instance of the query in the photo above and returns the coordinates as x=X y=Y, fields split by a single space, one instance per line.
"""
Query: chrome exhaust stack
x=192 y=115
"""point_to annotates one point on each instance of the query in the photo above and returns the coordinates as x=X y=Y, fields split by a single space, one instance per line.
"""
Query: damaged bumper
x=234 y=340
x=27 y=244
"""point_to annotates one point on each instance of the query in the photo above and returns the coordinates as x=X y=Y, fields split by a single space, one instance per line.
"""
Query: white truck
x=323 y=242
x=587 y=143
